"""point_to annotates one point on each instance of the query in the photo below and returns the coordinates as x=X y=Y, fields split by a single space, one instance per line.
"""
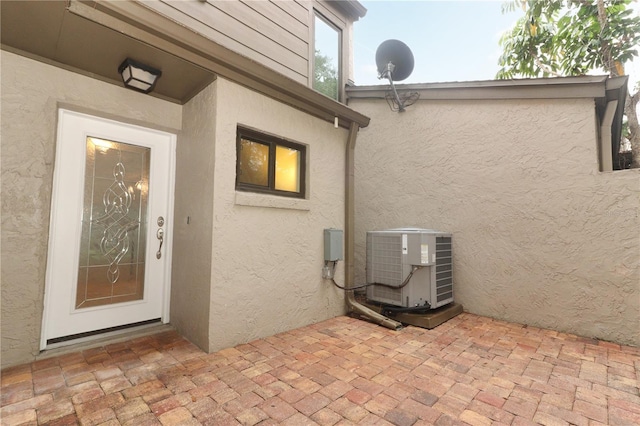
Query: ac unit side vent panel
x=388 y=295
x=384 y=265
x=385 y=258
x=444 y=270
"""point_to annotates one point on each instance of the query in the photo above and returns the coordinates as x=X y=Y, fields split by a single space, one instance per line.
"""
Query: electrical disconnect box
x=391 y=256
x=332 y=245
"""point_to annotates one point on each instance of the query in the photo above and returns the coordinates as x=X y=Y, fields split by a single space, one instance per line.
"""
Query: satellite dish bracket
x=388 y=73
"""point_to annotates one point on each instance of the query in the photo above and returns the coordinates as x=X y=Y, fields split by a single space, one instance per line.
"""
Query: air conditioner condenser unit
x=391 y=256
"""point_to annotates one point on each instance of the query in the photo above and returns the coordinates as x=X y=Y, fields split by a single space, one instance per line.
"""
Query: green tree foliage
x=574 y=37
x=325 y=75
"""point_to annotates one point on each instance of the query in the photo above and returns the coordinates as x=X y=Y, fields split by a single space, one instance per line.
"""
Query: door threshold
x=102 y=339
x=102 y=332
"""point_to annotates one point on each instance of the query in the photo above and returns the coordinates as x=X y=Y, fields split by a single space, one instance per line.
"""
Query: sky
x=451 y=40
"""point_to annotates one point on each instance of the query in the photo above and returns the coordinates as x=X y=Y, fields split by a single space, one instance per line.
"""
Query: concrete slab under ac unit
x=430 y=320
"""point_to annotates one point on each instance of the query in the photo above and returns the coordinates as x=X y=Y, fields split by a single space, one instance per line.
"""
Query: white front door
x=110 y=233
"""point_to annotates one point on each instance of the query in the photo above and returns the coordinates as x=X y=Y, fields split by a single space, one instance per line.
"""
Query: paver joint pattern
x=470 y=370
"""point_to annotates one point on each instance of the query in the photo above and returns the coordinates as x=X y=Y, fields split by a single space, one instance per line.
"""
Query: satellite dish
x=395 y=63
x=394 y=60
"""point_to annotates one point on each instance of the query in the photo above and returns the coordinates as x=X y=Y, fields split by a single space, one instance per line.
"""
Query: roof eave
x=354 y=9
x=163 y=33
x=542 y=88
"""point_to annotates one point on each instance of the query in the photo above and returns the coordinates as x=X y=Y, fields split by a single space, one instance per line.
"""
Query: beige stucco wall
x=31 y=93
x=245 y=266
x=193 y=219
x=540 y=236
x=268 y=251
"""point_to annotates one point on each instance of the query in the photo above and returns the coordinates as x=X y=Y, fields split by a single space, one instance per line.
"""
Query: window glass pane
x=254 y=163
x=326 y=61
x=287 y=169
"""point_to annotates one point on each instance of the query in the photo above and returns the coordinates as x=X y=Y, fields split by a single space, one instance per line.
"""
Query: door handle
x=160 y=236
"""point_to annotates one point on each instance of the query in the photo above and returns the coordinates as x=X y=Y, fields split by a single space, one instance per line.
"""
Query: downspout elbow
x=370 y=314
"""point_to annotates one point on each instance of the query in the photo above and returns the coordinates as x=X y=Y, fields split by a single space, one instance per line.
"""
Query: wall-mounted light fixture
x=138 y=76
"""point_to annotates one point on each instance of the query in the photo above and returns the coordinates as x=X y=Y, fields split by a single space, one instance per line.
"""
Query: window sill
x=271 y=201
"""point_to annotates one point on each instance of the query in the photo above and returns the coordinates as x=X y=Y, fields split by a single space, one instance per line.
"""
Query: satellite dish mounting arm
x=388 y=74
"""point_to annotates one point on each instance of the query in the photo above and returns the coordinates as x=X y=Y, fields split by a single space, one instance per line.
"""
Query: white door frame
x=64 y=158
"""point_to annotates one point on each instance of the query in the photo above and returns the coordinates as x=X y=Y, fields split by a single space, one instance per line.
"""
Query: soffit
x=47 y=31
x=140 y=22
x=90 y=36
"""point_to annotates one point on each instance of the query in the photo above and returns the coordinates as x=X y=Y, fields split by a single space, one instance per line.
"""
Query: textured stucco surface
x=267 y=261
x=31 y=93
x=193 y=219
x=245 y=266
x=540 y=236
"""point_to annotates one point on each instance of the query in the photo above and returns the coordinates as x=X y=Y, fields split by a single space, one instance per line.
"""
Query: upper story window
x=269 y=164
x=327 y=78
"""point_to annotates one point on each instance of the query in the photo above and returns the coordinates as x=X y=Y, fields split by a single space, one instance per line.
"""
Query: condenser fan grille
x=385 y=260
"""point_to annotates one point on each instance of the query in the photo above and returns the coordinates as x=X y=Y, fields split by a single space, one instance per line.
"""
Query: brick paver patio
x=470 y=370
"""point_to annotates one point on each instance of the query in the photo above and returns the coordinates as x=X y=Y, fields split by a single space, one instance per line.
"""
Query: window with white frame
x=327 y=78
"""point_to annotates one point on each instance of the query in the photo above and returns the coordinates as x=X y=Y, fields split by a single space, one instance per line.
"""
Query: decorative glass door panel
x=110 y=238
x=112 y=247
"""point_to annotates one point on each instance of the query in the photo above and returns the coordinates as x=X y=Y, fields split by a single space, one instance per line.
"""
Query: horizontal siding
x=297 y=9
x=263 y=31
x=255 y=25
x=281 y=18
